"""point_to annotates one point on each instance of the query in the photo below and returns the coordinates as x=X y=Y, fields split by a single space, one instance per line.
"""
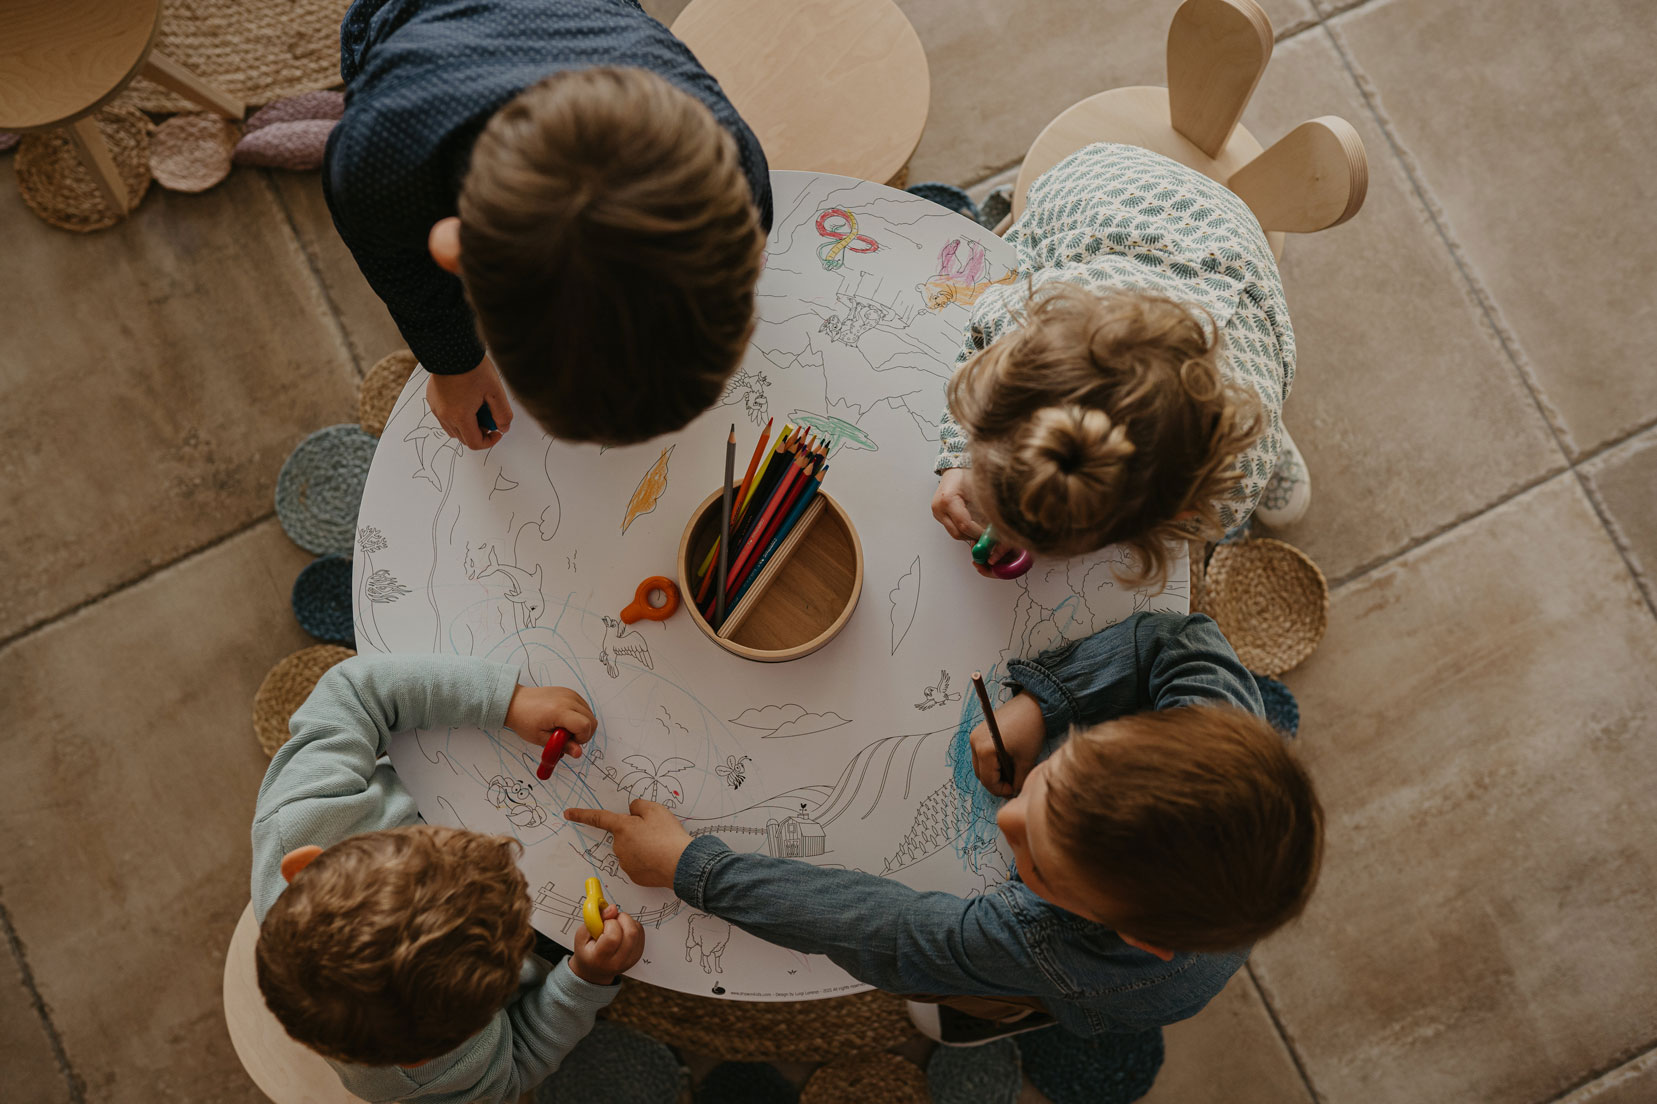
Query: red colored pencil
x=769 y=532
x=779 y=465
x=758 y=518
x=752 y=546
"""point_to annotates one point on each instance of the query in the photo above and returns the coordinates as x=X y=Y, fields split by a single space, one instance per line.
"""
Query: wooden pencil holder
x=802 y=597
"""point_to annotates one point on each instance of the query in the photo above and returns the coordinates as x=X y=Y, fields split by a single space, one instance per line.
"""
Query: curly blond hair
x=1104 y=419
x=394 y=947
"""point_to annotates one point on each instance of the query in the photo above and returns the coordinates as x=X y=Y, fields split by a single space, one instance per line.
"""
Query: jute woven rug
x=261 y=50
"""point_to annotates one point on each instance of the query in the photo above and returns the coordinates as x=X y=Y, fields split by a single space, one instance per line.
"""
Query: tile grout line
x=1506 y=340
x=86 y=603
x=341 y=332
x=77 y=1089
x=1282 y=1034
x=1644 y=1050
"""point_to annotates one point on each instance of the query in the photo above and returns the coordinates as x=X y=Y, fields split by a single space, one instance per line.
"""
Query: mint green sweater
x=327 y=783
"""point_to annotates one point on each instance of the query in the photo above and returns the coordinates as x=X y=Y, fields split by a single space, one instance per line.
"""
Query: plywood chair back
x=284 y=1070
x=1314 y=178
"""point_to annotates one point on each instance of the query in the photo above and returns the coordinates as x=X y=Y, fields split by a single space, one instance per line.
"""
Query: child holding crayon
x=565 y=173
x=1130 y=391
x=1158 y=824
x=401 y=951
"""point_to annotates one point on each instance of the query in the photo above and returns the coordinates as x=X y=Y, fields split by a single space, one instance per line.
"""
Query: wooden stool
x=834 y=86
x=1312 y=179
x=61 y=60
x=284 y=1070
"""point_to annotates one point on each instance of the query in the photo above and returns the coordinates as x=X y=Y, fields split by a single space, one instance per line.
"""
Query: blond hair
x=395 y=947
x=610 y=248
x=1196 y=823
x=1101 y=420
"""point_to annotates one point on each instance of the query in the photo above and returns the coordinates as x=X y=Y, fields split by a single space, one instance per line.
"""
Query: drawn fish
x=523 y=588
x=650 y=489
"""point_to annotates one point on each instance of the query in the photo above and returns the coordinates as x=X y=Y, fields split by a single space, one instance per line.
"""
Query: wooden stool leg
x=1313 y=178
x=169 y=74
x=1217 y=50
x=94 y=154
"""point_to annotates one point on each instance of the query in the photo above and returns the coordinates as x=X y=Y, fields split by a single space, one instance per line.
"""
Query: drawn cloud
x=778 y=722
x=905 y=597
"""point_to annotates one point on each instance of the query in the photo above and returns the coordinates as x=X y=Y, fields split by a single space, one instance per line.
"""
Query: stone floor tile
x=1478 y=722
x=31 y=1069
x=1540 y=156
x=1399 y=387
x=155 y=377
x=1625 y=479
x=1634 y=1083
x=369 y=330
x=127 y=861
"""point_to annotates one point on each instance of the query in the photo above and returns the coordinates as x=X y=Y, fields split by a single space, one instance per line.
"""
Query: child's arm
x=325 y=783
x=878 y=930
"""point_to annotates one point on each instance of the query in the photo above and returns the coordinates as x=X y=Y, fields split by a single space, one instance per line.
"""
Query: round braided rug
x=191 y=153
x=1269 y=599
x=380 y=388
x=862 y=1078
x=322 y=600
x=259 y=50
x=62 y=191
x=1281 y=708
x=320 y=488
x=1106 y=1069
x=989 y=1074
x=631 y=1068
x=764 y=1031
x=285 y=689
x=8 y=140
x=746 y=1083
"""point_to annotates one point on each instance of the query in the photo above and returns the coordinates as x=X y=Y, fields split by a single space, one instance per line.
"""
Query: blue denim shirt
x=1007 y=942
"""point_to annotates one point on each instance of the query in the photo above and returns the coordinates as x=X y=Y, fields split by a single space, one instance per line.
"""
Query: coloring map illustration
x=852 y=757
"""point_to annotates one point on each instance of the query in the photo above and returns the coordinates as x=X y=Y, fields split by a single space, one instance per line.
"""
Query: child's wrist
x=590 y=974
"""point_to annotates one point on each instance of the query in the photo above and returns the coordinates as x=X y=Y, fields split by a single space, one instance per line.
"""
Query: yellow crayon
x=592 y=909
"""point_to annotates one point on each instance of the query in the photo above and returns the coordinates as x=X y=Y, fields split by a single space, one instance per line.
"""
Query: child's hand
x=599 y=960
x=647 y=843
x=455 y=401
x=1022 y=730
x=536 y=710
x=952 y=507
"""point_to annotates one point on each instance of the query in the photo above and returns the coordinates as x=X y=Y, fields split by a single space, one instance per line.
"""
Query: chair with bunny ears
x=1313 y=178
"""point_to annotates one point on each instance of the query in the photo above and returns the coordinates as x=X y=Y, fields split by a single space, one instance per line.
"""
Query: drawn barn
x=794 y=838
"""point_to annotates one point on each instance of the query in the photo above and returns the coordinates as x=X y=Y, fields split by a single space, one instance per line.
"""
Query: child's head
x=610 y=247
x=1103 y=420
x=1187 y=829
x=394 y=947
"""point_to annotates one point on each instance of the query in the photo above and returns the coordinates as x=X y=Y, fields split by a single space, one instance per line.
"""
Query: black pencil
x=725 y=527
x=1004 y=762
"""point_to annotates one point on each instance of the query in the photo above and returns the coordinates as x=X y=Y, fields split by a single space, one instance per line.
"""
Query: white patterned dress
x=1112 y=216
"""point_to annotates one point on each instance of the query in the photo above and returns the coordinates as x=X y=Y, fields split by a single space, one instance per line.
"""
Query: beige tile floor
x=1475 y=399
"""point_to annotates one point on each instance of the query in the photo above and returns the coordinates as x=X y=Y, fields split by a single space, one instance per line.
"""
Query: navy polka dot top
x=422 y=77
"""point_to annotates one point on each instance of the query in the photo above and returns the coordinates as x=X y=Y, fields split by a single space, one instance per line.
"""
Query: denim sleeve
x=1149 y=661
x=878 y=930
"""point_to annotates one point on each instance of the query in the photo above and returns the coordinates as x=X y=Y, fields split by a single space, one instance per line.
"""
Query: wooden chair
x=61 y=60
x=1313 y=178
x=835 y=86
x=284 y=1070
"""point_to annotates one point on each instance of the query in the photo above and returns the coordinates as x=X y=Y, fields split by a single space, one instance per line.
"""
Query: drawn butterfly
x=733 y=771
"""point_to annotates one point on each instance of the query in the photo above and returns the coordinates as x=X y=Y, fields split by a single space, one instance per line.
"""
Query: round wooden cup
x=805 y=603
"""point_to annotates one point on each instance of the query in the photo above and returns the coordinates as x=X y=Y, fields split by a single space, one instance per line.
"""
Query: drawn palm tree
x=655 y=782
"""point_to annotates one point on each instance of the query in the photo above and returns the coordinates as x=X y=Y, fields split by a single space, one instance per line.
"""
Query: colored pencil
x=751 y=546
x=1003 y=761
x=812 y=486
x=753 y=465
x=764 y=482
x=770 y=532
x=748 y=484
x=725 y=523
x=757 y=515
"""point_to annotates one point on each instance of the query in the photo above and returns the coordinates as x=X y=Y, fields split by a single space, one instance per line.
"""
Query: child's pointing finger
x=602 y=819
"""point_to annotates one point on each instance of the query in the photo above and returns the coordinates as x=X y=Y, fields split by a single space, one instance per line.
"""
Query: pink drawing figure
x=960 y=281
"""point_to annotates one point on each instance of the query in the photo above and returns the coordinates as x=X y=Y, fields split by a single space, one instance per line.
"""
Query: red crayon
x=553 y=752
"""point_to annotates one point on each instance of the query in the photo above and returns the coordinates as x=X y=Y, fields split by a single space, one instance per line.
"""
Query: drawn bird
x=650 y=489
x=937 y=695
